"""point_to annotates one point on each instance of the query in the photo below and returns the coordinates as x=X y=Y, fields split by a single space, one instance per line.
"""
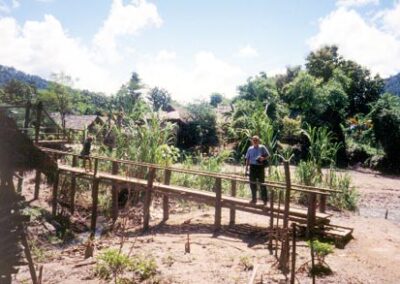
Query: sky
x=191 y=48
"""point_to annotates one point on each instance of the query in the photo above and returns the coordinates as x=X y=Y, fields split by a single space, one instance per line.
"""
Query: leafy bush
x=145 y=267
x=321 y=250
x=112 y=262
x=385 y=116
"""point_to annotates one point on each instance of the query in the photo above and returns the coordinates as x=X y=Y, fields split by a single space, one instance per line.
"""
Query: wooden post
x=218 y=204
x=322 y=203
x=114 y=192
x=27 y=116
x=96 y=166
x=38 y=121
x=55 y=189
x=73 y=185
x=232 y=212
x=147 y=198
x=28 y=255
x=95 y=200
x=284 y=258
x=37 y=184
x=312 y=204
x=271 y=220
x=167 y=180
x=293 y=268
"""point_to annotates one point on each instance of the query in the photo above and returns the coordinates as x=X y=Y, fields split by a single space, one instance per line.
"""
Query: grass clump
x=246 y=263
x=144 y=267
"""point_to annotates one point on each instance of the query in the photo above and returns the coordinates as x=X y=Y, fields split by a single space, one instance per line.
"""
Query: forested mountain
x=392 y=85
x=9 y=73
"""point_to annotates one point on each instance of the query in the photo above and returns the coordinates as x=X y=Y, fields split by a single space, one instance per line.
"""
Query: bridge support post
x=147 y=198
x=167 y=180
x=55 y=194
x=322 y=203
x=27 y=117
x=232 y=212
x=95 y=200
x=284 y=257
x=73 y=185
x=114 y=192
x=271 y=220
x=311 y=213
x=218 y=204
x=37 y=184
x=38 y=121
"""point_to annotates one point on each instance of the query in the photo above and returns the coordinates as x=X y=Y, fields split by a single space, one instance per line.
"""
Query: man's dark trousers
x=257 y=174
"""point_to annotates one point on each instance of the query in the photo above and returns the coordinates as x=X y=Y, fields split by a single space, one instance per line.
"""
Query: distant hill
x=392 y=85
x=8 y=73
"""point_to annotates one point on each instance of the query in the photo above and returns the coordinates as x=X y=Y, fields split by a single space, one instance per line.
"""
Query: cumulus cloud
x=124 y=20
x=43 y=47
x=206 y=74
x=247 y=52
x=356 y=3
x=391 y=19
x=369 y=45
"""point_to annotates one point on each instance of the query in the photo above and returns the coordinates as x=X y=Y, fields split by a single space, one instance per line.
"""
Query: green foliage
x=112 y=262
x=215 y=99
x=201 y=130
x=291 y=130
x=145 y=267
x=17 y=92
x=385 y=116
x=322 y=150
x=347 y=197
x=159 y=98
x=307 y=173
x=321 y=250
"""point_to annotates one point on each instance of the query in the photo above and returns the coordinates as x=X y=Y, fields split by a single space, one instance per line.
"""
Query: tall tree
x=215 y=99
x=129 y=94
x=322 y=62
x=60 y=87
x=159 y=98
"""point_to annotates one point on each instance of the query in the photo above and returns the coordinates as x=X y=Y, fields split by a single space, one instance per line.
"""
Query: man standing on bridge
x=256 y=157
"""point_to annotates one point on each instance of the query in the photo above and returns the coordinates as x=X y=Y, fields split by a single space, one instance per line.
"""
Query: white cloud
x=43 y=47
x=15 y=4
x=165 y=55
x=124 y=20
x=355 y=3
x=4 y=8
x=359 y=40
x=247 y=52
x=391 y=19
x=207 y=74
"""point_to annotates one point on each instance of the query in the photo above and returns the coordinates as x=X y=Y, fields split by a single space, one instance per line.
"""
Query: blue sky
x=191 y=48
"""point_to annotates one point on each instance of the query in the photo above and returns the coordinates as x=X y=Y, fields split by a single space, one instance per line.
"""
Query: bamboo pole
x=232 y=211
x=322 y=203
x=95 y=200
x=38 y=121
x=73 y=185
x=311 y=213
x=218 y=204
x=271 y=220
x=167 y=180
x=293 y=268
x=37 y=184
x=55 y=193
x=114 y=192
x=27 y=116
x=147 y=200
x=284 y=258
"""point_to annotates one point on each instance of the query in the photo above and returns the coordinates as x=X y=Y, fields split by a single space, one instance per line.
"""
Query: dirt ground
x=373 y=256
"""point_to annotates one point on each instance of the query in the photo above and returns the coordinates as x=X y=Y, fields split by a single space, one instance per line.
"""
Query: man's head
x=255 y=140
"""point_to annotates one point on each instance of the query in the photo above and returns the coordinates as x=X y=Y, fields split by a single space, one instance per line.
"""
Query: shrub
x=321 y=250
x=145 y=267
x=112 y=262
